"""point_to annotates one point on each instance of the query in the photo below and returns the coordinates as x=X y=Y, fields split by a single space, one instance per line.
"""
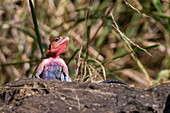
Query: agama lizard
x=54 y=67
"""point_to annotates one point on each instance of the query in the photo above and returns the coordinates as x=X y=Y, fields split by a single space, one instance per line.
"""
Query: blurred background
x=106 y=39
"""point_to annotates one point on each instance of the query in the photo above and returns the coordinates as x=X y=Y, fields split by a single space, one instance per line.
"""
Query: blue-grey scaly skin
x=53 y=68
x=114 y=81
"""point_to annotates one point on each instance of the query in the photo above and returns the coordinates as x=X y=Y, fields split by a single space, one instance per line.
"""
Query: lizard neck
x=52 y=55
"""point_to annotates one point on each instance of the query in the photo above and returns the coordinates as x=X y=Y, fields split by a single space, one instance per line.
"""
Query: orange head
x=58 y=46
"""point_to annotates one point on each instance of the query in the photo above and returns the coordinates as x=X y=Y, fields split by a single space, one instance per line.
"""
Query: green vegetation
x=124 y=39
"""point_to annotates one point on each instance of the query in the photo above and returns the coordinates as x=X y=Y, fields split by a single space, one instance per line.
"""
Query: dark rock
x=52 y=96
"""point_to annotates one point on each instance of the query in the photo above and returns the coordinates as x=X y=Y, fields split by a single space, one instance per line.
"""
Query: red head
x=58 y=46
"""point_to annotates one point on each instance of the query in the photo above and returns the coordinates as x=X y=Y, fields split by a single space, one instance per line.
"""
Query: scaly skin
x=53 y=66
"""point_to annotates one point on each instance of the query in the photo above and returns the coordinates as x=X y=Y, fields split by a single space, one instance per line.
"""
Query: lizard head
x=58 y=46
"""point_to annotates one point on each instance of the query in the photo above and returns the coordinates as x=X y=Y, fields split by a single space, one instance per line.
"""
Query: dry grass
x=140 y=24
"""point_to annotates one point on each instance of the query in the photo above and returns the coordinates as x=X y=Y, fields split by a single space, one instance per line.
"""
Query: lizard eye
x=57 y=39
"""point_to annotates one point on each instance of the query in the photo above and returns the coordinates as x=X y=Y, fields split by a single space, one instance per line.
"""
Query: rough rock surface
x=53 y=96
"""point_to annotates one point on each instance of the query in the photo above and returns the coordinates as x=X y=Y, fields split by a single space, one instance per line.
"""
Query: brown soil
x=53 y=96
